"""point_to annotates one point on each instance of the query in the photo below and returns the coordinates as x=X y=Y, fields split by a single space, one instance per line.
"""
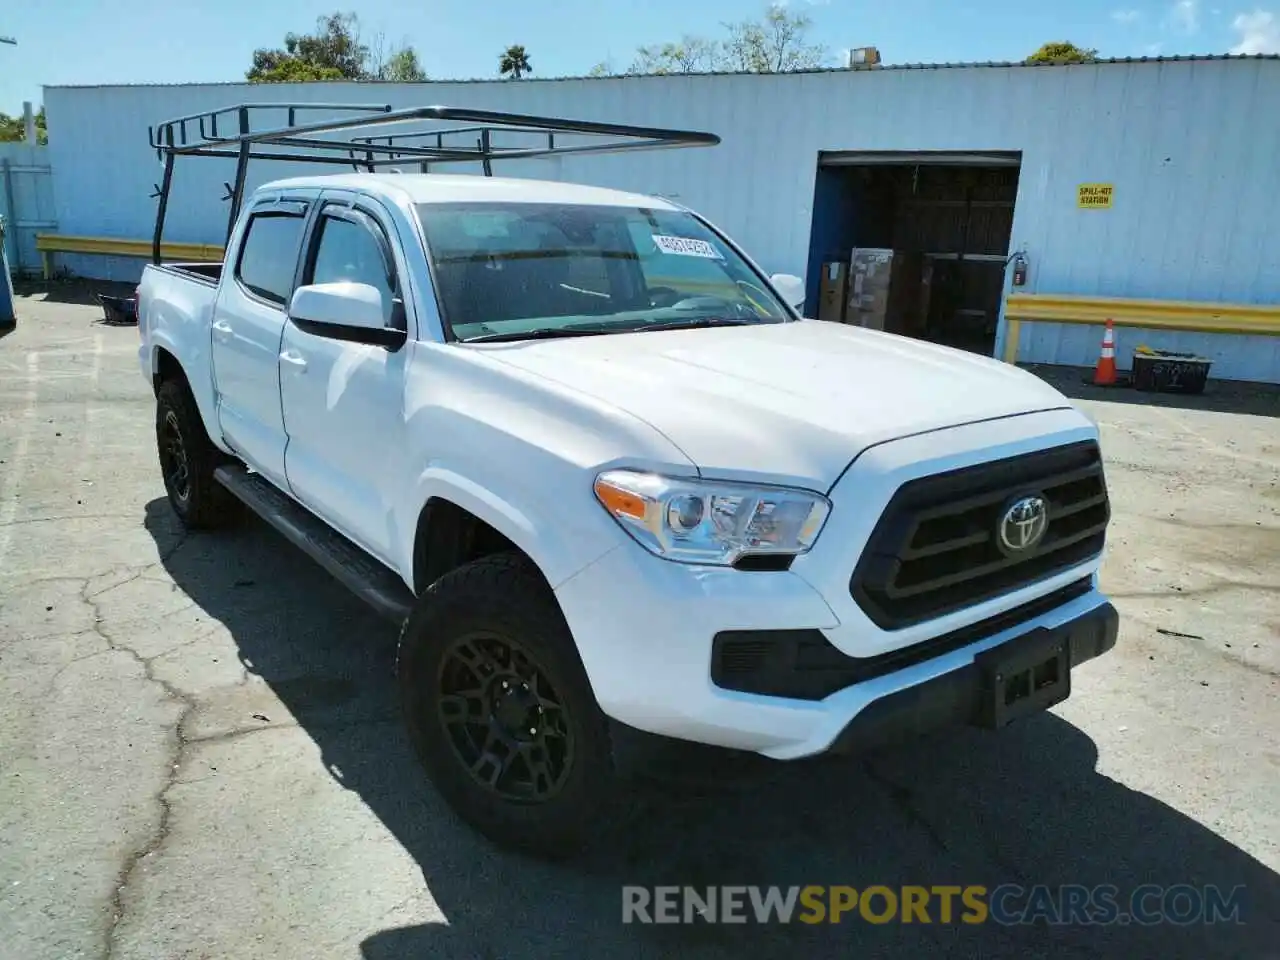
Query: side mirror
x=790 y=288
x=344 y=311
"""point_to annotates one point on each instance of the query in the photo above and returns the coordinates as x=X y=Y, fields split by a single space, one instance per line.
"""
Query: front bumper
x=645 y=629
x=960 y=697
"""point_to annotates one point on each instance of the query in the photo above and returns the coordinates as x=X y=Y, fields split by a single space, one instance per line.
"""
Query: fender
x=201 y=387
x=558 y=552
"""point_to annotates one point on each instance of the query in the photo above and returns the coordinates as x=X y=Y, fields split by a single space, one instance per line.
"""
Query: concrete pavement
x=200 y=755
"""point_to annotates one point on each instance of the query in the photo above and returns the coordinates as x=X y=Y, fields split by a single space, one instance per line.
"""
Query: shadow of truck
x=1025 y=807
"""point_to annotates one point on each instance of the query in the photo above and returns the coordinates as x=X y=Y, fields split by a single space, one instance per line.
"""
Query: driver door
x=343 y=401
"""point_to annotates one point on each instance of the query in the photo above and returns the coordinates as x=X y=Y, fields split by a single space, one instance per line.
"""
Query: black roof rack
x=254 y=131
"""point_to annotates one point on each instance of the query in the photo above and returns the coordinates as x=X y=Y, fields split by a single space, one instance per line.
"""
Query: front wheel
x=500 y=711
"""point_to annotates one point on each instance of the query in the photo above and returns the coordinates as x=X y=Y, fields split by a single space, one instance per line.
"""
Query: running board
x=360 y=573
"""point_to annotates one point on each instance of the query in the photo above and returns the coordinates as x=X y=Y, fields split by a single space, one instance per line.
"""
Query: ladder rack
x=253 y=131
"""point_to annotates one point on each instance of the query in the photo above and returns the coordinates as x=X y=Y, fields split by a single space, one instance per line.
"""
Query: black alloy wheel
x=503 y=718
x=174 y=466
x=499 y=709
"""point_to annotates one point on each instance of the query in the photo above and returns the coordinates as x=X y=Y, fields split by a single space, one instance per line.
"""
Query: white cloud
x=1186 y=15
x=1125 y=16
x=1259 y=32
x=1153 y=49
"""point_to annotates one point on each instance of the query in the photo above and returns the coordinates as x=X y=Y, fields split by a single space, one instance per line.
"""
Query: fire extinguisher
x=1019 y=270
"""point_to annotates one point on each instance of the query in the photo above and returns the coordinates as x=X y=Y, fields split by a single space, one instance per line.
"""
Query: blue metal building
x=1188 y=147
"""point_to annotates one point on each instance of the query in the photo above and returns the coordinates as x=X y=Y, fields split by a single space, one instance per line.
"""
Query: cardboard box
x=884 y=289
x=832 y=291
x=870 y=273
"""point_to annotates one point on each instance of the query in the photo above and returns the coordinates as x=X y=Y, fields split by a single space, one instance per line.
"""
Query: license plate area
x=1023 y=676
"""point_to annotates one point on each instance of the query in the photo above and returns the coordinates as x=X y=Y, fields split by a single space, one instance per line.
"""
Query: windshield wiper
x=542 y=333
x=598 y=329
x=693 y=323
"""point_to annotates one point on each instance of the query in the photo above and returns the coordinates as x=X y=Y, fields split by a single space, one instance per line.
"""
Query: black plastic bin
x=1166 y=372
x=118 y=311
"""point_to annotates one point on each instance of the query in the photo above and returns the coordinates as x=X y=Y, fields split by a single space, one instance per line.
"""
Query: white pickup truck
x=610 y=480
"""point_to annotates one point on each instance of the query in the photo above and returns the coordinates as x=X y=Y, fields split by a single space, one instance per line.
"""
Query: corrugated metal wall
x=26 y=202
x=1190 y=147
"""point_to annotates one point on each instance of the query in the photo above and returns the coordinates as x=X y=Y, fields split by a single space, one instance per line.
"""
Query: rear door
x=344 y=401
x=248 y=322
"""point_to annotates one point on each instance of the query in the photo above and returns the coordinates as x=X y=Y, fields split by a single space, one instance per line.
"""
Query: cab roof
x=469 y=188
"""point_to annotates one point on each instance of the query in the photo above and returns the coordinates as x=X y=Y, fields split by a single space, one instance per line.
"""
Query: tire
x=188 y=459
x=465 y=633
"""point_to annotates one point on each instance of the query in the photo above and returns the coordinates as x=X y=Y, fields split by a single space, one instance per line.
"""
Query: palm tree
x=514 y=62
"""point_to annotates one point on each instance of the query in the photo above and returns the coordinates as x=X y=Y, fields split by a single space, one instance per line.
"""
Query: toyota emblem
x=1023 y=525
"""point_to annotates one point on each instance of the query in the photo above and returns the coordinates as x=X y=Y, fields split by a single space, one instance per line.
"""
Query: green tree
x=514 y=62
x=772 y=45
x=1062 y=51
x=402 y=67
x=293 y=70
x=690 y=55
x=12 y=129
x=334 y=51
x=776 y=43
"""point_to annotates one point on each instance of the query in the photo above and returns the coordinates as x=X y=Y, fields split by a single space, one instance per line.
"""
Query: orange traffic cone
x=1104 y=374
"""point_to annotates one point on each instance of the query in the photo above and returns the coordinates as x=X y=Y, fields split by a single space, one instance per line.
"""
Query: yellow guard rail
x=1201 y=317
x=50 y=243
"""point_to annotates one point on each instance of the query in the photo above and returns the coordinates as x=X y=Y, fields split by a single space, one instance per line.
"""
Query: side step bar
x=360 y=573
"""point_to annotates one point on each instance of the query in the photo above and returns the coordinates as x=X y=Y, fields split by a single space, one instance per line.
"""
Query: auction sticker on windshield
x=686 y=247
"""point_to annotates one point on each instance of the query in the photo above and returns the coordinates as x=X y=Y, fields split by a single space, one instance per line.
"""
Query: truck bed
x=205 y=272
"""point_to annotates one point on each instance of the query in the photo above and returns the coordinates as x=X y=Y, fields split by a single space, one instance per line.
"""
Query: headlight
x=698 y=521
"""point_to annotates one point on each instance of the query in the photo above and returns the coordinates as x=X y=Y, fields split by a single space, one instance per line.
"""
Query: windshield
x=506 y=271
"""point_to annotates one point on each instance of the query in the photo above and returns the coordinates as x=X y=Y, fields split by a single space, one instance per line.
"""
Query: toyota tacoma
x=608 y=478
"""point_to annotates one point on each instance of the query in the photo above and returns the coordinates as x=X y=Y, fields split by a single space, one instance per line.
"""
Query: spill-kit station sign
x=1094 y=196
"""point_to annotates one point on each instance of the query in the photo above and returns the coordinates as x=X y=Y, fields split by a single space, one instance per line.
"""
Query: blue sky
x=165 y=41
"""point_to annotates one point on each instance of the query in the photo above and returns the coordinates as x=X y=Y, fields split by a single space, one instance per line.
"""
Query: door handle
x=295 y=360
x=222 y=329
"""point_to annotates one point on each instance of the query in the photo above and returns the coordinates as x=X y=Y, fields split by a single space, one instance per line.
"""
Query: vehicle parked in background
x=609 y=480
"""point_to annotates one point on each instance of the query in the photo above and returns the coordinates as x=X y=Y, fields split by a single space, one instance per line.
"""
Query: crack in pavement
x=177 y=748
x=109 y=649
x=150 y=618
x=1205 y=591
x=232 y=735
x=901 y=798
x=180 y=743
x=1233 y=655
x=229 y=735
x=198 y=638
x=28 y=637
x=78 y=516
x=53 y=680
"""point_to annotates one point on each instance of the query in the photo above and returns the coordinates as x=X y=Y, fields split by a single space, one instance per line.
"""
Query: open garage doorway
x=913 y=243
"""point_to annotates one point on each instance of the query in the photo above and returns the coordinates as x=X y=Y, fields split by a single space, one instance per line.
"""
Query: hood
x=787 y=403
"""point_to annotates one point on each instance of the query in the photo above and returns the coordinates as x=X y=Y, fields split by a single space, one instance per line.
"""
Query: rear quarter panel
x=175 y=312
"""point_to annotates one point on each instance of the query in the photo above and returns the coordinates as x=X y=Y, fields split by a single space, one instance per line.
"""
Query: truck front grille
x=936 y=548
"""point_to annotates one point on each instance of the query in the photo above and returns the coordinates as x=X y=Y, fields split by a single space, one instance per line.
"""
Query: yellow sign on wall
x=1094 y=196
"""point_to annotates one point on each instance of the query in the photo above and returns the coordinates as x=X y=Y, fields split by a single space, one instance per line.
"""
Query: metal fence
x=26 y=203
